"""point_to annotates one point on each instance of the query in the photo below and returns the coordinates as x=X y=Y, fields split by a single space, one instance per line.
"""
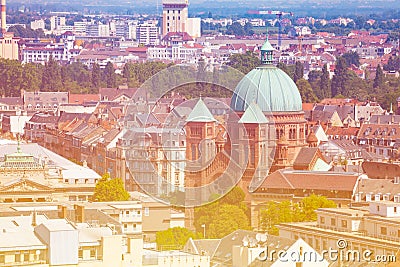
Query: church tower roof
x=200 y=113
x=253 y=114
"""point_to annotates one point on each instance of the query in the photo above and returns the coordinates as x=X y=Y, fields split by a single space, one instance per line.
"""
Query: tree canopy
x=244 y=62
x=108 y=189
x=275 y=213
x=306 y=91
x=223 y=216
x=174 y=238
x=237 y=29
x=351 y=57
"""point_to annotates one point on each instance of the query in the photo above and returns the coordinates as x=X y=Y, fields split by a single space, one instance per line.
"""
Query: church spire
x=267 y=52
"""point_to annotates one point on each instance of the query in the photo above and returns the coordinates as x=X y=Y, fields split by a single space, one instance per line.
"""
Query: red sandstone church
x=264 y=132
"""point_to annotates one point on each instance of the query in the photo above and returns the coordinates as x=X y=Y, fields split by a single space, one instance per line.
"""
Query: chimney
x=3 y=16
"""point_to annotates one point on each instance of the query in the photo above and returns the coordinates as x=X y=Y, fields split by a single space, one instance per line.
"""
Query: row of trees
x=75 y=77
x=78 y=78
x=51 y=76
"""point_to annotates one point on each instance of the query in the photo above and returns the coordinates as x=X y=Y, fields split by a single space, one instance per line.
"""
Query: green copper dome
x=270 y=88
x=267 y=86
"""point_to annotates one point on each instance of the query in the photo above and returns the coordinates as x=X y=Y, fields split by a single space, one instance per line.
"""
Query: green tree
x=96 y=76
x=379 y=77
x=351 y=57
x=393 y=64
x=51 y=77
x=306 y=92
x=174 y=238
x=248 y=28
x=288 y=69
x=236 y=29
x=31 y=77
x=244 y=62
x=310 y=204
x=230 y=207
x=325 y=83
x=298 y=71
x=228 y=219
x=110 y=76
x=108 y=189
x=275 y=213
x=339 y=80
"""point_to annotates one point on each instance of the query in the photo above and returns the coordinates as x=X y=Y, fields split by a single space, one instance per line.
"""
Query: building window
x=333 y=221
x=26 y=256
x=3 y=257
x=383 y=231
x=378 y=208
x=146 y=212
x=80 y=253
x=322 y=220
x=395 y=209
x=93 y=253
x=344 y=223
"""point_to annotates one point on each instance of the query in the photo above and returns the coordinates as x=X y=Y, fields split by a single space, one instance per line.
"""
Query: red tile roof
x=82 y=98
x=342 y=131
x=308 y=106
x=290 y=179
x=181 y=35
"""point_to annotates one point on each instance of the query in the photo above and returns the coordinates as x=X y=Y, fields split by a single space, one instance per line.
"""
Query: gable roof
x=113 y=93
x=24 y=185
x=307 y=158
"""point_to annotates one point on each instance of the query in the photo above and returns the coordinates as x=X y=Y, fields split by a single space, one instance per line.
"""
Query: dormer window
x=377 y=197
x=368 y=197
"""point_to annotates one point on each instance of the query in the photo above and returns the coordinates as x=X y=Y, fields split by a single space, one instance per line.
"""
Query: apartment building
x=147 y=34
x=374 y=229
